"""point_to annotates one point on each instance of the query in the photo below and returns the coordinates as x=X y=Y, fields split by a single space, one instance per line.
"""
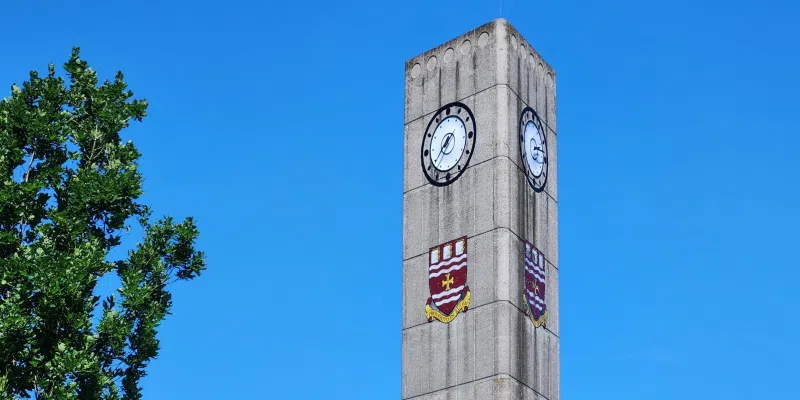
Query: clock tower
x=480 y=221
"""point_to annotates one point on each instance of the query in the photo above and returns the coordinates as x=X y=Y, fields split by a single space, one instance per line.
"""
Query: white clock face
x=533 y=148
x=448 y=143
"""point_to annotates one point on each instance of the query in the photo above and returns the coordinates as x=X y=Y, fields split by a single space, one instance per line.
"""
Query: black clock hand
x=444 y=145
x=441 y=151
x=447 y=139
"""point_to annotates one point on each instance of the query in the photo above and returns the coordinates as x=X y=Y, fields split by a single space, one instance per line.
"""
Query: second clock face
x=448 y=143
x=533 y=148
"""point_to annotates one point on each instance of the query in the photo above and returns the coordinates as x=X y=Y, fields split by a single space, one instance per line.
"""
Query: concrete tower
x=480 y=221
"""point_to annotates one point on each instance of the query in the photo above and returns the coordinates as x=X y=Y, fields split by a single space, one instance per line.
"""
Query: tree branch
x=23 y=221
x=30 y=163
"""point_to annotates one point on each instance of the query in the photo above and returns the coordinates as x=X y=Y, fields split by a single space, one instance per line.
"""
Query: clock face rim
x=451 y=175
x=523 y=122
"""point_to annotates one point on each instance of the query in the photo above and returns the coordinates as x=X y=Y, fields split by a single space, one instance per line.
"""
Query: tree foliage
x=69 y=191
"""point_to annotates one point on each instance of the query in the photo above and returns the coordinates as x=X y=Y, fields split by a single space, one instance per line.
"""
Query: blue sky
x=278 y=126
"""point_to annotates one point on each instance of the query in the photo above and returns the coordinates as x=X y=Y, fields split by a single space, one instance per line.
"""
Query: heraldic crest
x=447 y=279
x=533 y=292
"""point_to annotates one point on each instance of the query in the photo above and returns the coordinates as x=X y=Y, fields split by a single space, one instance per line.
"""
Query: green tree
x=69 y=190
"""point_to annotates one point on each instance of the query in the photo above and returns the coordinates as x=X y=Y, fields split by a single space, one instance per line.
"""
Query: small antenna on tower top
x=501 y=8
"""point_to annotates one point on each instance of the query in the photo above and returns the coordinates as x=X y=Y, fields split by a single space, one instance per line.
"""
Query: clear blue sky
x=678 y=139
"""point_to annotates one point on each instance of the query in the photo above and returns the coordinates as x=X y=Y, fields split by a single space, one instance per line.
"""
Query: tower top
x=501 y=29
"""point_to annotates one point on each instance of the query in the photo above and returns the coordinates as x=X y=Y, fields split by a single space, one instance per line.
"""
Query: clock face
x=448 y=143
x=533 y=148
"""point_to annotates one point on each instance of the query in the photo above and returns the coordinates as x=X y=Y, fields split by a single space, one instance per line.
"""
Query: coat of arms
x=447 y=279
x=533 y=292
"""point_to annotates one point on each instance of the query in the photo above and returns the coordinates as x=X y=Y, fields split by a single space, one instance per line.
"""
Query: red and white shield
x=447 y=279
x=535 y=285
